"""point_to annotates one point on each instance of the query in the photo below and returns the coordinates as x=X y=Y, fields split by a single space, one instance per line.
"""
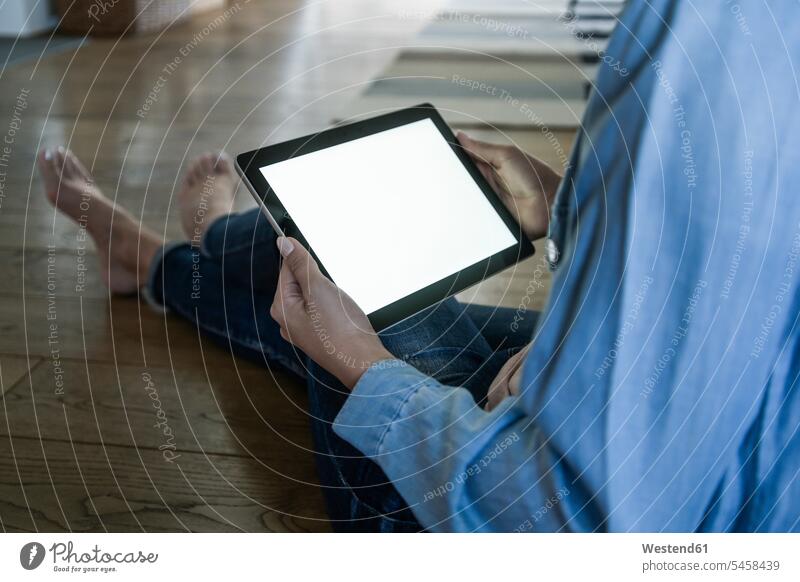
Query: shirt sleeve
x=458 y=467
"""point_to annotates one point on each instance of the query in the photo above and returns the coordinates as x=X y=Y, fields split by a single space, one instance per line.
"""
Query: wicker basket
x=117 y=17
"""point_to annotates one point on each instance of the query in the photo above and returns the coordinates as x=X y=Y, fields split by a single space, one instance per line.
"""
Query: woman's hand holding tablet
x=392 y=208
x=317 y=317
x=525 y=184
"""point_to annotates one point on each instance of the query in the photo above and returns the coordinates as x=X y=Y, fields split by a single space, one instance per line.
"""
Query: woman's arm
x=457 y=466
x=461 y=468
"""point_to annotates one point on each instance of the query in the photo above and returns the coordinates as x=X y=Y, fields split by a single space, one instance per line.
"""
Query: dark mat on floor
x=16 y=50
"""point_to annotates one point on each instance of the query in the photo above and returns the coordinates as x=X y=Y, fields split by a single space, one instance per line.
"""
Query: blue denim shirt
x=661 y=390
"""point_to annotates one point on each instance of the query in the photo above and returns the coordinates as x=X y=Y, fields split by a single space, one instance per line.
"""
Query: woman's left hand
x=320 y=319
x=508 y=381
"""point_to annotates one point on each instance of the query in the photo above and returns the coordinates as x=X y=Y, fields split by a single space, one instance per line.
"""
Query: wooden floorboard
x=120 y=331
x=13 y=369
x=66 y=485
x=245 y=410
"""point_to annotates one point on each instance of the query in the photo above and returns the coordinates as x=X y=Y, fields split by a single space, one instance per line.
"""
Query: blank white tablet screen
x=390 y=213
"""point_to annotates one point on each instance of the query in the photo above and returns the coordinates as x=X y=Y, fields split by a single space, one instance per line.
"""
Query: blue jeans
x=226 y=287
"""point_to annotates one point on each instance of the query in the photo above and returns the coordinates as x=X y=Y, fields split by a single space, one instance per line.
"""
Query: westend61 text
x=673 y=549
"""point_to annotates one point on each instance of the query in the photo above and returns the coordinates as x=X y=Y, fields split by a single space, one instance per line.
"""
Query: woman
x=234 y=260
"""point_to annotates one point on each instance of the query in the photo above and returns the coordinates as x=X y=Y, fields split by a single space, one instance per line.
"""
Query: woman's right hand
x=526 y=185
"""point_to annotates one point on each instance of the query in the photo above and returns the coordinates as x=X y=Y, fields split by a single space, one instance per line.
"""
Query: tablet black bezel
x=250 y=163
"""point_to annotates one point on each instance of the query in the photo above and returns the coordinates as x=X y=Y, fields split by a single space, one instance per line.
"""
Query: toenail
x=48 y=155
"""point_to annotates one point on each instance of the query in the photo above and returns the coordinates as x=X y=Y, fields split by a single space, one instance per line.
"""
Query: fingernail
x=61 y=150
x=285 y=246
x=48 y=155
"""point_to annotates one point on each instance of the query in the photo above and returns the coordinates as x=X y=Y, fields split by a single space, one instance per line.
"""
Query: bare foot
x=124 y=246
x=207 y=193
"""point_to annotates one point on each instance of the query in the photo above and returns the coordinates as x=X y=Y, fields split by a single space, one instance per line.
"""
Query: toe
x=74 y=167
x=67 y=162
x=199 y=169
x=47 y=168
x=60 y=158
x=208 y=164
x=45 y=162
x=188 y=178
x=194 y=170
x=223 y=163
x=58 y=163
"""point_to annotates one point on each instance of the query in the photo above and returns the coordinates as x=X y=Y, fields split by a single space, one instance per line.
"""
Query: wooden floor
x=79 y=446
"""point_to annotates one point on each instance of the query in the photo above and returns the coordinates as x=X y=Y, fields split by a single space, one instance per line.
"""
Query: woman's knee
x=237 y=233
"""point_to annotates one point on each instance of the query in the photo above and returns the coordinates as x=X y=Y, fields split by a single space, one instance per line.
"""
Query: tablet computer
x=392 y=208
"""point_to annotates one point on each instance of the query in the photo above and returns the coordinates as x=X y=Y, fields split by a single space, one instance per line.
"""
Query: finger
x=289 y=287
x=486 y=170
x=299 y=262
x=497 y=390
x=287 y=296
x=489 y=153
x=497 y=393
x=500 y=388
x=515 y=381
